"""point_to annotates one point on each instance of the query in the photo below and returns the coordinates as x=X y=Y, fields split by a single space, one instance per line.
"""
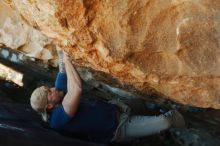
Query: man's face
x=54 y=96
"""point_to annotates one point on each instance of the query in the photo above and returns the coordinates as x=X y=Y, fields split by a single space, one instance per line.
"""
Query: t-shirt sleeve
x=59 y=118
x=61 y=82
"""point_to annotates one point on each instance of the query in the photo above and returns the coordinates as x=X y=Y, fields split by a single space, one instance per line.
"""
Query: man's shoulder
x=58 y=117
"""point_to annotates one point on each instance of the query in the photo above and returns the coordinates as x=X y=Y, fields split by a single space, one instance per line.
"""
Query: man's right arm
x=72 y=98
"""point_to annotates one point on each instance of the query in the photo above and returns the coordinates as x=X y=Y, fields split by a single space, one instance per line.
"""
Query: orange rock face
x=172 y=46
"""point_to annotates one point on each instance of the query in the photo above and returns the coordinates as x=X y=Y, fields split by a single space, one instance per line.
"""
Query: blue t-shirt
x=94 y=120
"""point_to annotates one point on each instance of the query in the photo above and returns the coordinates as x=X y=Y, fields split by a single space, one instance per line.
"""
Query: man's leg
x=140 y=126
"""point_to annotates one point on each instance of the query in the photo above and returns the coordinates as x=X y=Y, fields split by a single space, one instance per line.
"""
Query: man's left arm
x=61 y=78
x=61 y=82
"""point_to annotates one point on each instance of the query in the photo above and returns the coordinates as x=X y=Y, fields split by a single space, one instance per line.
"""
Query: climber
x=116 y=121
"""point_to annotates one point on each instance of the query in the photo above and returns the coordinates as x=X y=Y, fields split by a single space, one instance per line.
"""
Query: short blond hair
x=38 y=99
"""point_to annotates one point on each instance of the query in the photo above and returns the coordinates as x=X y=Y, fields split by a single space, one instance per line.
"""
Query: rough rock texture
x=16 y=34
x=172 y=46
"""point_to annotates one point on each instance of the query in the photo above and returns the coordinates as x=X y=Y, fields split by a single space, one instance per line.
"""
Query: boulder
x=170 y=47
x=18 y=35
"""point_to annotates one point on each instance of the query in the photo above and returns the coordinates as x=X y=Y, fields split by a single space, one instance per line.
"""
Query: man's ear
x=50 y=106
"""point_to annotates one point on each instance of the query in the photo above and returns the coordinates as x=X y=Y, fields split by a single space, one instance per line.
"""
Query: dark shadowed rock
x=19 y=125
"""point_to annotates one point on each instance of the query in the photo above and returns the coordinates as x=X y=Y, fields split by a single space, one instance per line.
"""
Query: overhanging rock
x=171 y=47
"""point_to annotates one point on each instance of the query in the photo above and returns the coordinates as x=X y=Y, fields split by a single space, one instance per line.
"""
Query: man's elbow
x=78 y=85
x=79 y=89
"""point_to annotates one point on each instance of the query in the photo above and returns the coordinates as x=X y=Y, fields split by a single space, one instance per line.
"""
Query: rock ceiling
x=171 y=46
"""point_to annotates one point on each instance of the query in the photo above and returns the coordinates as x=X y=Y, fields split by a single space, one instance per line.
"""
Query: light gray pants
x=132 y=122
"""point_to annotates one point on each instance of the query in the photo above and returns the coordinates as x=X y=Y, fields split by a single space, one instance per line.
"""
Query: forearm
x=72 y=75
